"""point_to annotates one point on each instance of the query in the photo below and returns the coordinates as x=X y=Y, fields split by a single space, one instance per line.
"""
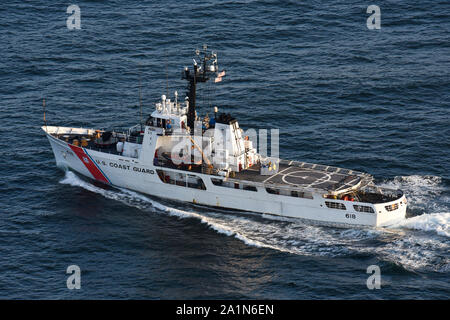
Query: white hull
x=137 y=175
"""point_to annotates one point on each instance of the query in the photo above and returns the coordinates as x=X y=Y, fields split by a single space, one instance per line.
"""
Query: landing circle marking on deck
x=299 y=174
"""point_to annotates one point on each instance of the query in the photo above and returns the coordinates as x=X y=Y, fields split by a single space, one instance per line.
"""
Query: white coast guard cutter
x=176 y=155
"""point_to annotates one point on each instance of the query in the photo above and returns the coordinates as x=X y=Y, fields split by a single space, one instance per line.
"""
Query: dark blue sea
x=371 y=100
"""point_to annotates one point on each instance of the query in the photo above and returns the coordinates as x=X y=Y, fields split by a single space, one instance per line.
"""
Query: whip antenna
x=140 y=95
x=167 y=74
x=45 y=121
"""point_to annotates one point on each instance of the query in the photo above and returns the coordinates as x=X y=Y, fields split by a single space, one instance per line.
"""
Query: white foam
x=434 y=222
x=127 y=198
x=415 y=252
x=133 y=198
x=422 y=192
x=396 y=244
x=425 y=194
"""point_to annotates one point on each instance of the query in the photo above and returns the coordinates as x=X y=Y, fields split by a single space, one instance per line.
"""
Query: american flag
x=219 y=76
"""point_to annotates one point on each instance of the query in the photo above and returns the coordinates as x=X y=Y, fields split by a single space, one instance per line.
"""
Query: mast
x=140 y=97
x=201 y=72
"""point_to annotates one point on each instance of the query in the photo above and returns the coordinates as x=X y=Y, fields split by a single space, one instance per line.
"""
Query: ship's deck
x=291 y=174
x=70 y=134
x=305 y=175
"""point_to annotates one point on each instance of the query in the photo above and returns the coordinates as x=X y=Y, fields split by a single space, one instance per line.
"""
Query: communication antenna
x=45 y=121
x=140 y=95
x=202 y=71
x=167 y=74
x=176 y=100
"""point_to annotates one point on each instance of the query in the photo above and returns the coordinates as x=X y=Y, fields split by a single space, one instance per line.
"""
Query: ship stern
x=389 y=213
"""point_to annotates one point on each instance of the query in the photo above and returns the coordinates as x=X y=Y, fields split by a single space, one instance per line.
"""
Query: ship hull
x=135 y=175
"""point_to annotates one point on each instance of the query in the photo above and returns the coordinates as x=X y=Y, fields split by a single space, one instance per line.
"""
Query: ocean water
x=341 y=94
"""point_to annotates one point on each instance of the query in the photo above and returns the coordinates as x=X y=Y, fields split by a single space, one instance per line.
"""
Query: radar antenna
x=202 y=72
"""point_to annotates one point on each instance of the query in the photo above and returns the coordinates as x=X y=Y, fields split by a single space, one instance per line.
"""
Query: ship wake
x=420 y=242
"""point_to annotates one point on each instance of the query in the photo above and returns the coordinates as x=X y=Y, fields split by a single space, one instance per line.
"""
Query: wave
x=424 y=193
x=398 y=244
x=435 y=222
x=140 y=201
x=426 y=196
